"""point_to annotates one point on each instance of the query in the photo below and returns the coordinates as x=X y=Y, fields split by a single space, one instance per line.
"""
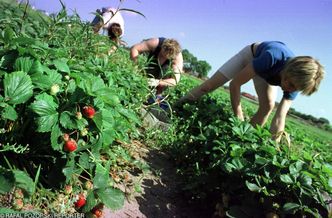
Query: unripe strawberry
x=54 y=89
x=67 y=77
x=66 y=137
x=68 y=189
x=88 y=185
x=80 y=202
x=18 y=193
x=78 y=115
x=84 y=132
x=18 y=204
x=89 y=111
x=70 y=145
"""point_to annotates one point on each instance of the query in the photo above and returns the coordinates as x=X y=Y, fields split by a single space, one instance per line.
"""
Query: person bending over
x=164 y=54
x=268 y=64
x=109 y=21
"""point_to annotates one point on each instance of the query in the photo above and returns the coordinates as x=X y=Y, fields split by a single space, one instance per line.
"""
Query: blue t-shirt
x=269 y=59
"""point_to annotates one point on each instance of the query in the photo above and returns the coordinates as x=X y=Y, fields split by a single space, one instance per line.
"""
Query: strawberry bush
x=67 y=106
x=240 y=169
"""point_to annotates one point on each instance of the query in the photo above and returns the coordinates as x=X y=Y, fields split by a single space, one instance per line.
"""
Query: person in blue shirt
x=268 y=64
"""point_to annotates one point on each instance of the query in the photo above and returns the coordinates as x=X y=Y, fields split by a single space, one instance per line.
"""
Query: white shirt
x=110 y=16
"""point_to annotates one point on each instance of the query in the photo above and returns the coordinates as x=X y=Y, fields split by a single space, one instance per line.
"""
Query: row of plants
x=67 y=108
x=239 y=168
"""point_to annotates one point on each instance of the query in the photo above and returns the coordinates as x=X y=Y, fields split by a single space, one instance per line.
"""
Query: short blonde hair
x=305 y=73
x=171 y=48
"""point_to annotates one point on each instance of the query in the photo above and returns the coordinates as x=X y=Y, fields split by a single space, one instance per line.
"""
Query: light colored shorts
x=236 y=63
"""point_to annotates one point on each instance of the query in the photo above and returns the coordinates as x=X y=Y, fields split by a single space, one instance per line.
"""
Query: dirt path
x=161 y=196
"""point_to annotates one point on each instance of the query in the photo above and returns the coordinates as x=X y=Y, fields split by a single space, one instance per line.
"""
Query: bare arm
x=243 y=77
x=177 y=67
x=144 y=46
x=279 y=119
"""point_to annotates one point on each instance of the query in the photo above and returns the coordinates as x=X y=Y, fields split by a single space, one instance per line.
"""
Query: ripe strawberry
x=70 y=145
x=89 y=111
x=80 y=202
x=97 y=212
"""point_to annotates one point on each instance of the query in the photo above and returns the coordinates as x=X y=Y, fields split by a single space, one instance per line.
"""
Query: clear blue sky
x=214 y=30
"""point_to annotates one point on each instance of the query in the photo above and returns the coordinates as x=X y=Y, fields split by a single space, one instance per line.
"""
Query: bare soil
x=161 y=196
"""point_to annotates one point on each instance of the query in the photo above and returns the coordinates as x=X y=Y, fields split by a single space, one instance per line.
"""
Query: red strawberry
x=97 y=212
x=89 y=111
x=70 y=145
x=80 y=202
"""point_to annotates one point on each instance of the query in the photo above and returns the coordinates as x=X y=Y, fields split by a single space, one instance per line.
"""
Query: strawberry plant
x=63 y=112
x=221 y=156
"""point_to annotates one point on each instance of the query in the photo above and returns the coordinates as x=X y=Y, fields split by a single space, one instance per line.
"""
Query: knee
x=233 y=85
x=206 y=87
x=267 y=108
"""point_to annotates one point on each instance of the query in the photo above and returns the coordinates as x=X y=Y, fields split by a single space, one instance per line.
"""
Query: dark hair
x=114 y=32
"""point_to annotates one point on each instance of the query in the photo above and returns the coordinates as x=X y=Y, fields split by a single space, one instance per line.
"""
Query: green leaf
x=131 y=116
x=45 y=107
x=9 y=113
x=286 y=179
x=6 y=182
x=291 y=208
x=67 y=121
x=45 y=81
x=295 y=168
x=55 y=134
x=36 y=67
x=101 y=179
x=61 y=65
x=261 y=160
x=84 y=161
x=305 y=180
x=22 y=180
x=112 y=198
x=108 y=136
x=98 y=120
x=7 y=61
x=18 y=87
x=91 y=202
x=92 y=85
x=253 y=187
x=81 y=123
x=108 y=96
x=8 y=35
x=23 y=64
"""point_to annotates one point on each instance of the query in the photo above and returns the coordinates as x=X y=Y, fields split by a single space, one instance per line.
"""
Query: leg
x=266 y=98
x=217 y=80
x=225 y=73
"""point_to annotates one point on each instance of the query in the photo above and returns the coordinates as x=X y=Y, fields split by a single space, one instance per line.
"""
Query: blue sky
x=214 y=30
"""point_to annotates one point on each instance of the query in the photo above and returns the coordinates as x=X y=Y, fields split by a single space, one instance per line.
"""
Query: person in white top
x=110 y=22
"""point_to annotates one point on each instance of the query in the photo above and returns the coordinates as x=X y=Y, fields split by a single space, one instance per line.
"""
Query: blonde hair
x=305 y=73
x=171 y=48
